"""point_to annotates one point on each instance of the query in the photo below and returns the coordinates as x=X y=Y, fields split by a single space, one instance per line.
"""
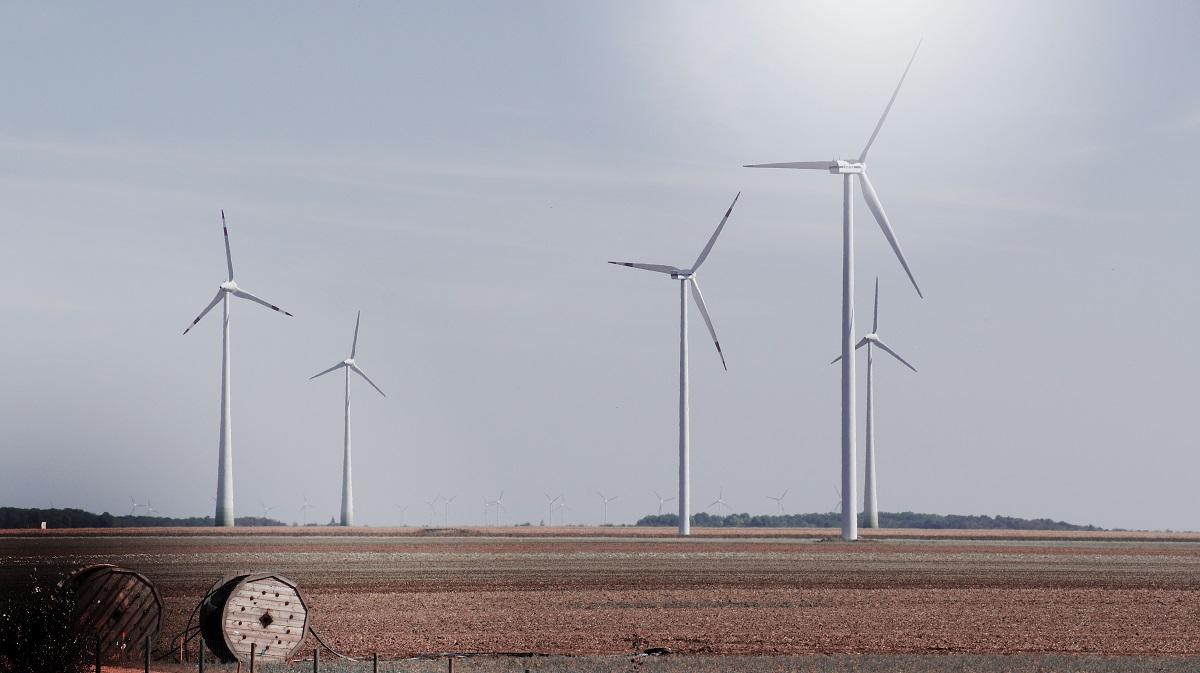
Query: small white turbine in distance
x=550 y=506
x=347 y=473
x=687 y=278
x=779 y=499
x=850 y=170
x=224 y=514
x=661 y=500
x=872 y=341
x=403 y=509
x=304 y=508
x=720 y=502
x=604 y=504
x=133 y=506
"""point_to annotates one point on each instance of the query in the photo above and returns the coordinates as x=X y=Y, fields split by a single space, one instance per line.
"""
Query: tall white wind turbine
x=848 y=169
x=779 y=499
x=347 y=481
x=604 y=505
x=661 y=500
x=224 y=513
x=687 y=278
x=871 y=341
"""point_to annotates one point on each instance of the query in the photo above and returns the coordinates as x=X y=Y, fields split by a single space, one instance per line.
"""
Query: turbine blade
x=203 y=313
x=707 y=320
x=861 y=342
x=894 y=354
x=806 y=165
x=877 y=210
x=708 y=248
x=886 y=110
x=246 y=295
x=875 y=320
x=331 y=369
x=354 y=344
x=228 y=254
x=661 y=268
x=368 y=379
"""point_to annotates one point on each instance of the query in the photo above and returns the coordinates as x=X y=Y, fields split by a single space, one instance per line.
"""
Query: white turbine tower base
x=224 y=503
x=687 y=278
x=347 y=472
x=849 y=170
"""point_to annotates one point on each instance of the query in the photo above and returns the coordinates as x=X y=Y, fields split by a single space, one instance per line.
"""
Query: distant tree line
x=886 y=520
x=22 y=517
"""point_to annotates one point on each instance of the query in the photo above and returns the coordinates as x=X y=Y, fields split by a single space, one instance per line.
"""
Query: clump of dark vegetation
x=66 y=517
x=39 y=632
x=886 y=520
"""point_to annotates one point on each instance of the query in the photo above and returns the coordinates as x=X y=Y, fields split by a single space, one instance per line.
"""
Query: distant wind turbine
x=550 y=504
x=720 y=501
x=403 y=509
x=224 y=514
x=133 y=506
x=871 y=341
x=687 y=278
x=347 y=481
x=848 y=170
x=446 y=509
x=661 y=500
x=779 y=499
x=498 y=503
x=266 y=510
x=604 y=504
x=304 y=511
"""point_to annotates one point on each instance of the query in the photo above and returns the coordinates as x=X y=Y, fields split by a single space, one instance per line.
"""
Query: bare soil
x=617 y=591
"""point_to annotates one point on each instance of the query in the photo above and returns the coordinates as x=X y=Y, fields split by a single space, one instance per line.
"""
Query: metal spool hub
x=263 y=610
x=119 y=606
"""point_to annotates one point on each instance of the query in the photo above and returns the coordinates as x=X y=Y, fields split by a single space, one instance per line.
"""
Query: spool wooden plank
x=265 y=610
x=118 y=606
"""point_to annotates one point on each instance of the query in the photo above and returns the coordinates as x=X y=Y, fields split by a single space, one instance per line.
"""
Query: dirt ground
x=614 y=591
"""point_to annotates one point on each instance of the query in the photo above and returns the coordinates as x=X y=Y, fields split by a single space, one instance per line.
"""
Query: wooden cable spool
x=260 y=609
x=119 y=606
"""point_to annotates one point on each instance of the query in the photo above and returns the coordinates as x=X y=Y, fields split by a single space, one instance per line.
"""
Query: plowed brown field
x=610 y=591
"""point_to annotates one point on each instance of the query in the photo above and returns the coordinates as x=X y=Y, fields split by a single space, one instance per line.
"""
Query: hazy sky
x=461 y=172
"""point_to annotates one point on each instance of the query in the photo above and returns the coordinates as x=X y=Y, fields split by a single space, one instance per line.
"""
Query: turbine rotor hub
x=349 y=362
x=229 y=286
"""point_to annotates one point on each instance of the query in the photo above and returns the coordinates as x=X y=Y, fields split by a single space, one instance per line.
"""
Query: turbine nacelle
x=349 y=362
x=842 y=167
x=229 y=286
x=683 y=275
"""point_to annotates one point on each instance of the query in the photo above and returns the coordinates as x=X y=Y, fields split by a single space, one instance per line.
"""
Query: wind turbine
x=720 y=501
x=432 y=505
x=779 y=500
x=266 y=510
x=150 y=508
x=498 y=503
x=686 y=278
x=661 y=500
x=446 y=510
x=403 y=509
x=550 y=502
x=224 y=514
x=871 y=341
x=848 y=169
x=604 y=504
x=133 y=506
x=304 y=511
x=347 y=482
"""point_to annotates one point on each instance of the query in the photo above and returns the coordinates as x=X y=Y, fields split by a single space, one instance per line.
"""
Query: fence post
x=201 y=653
x=375 y=663
x=316 y=660
x=147 y=657
x=253 y=647
x=450 y=664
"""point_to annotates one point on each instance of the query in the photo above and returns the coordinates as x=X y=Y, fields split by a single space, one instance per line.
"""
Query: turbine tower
x=687 y=278
x=849 y=170
x=347 y=482
x=224 y=514
x=871 y=341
